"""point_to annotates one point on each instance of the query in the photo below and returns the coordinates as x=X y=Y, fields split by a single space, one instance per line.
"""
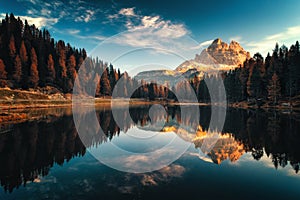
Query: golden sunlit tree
x=12 y=47
x=51 y=69
x=3 y=74
x=23 y=53
x=34 y=74
x=17 y=72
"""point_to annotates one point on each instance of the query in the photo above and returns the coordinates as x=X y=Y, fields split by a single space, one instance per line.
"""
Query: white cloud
x=202 y=44
x=77 y=34
x=111 y=17
x=143 y=31
x=30 y=12
x=79 y=11
x=237 y=39
x=146 y=31
x=287 y=37
x=205 y=43
x=127 y=12
x=38 y=21
x=274 y=37
x=73 y=31
x=45 y=12
x=34 y=2
x=87 y=17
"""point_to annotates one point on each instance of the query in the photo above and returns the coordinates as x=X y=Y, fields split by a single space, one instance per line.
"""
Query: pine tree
x=274 y=89
x=254 y=81
x=12 y=47
x=105 y=88
x=112 y=76
x=17 y=72
x=23 y=54
x=203 y=93
x=62 y=69
x=51 y=69
x=243 y=77
x=3 y=74
x=71 y=72
x=151 y=89
x=34 y=74
x=97 y=84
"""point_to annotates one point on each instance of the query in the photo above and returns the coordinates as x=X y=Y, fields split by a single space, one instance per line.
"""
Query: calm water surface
x=257 y=156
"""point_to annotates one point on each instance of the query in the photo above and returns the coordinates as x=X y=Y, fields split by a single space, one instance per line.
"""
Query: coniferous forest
x=31 y=58
x=277 y=77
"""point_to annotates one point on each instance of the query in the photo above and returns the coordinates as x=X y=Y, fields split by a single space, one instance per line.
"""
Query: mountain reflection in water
x=30 y=149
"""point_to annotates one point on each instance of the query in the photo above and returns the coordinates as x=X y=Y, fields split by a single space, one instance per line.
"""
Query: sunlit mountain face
x=29 y=156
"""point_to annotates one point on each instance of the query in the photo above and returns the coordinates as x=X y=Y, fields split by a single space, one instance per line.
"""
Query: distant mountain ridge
x=219 y=56
x=170 y=77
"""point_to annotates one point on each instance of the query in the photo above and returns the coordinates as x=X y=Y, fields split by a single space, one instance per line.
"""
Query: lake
x=256 y=155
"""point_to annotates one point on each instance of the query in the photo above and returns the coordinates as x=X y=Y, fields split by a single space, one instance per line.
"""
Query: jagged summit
x=218 y=44
x=218 y=55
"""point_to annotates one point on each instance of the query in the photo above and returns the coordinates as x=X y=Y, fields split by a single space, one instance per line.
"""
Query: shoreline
x=21 y=104
x=18 y=105
x=21 y=110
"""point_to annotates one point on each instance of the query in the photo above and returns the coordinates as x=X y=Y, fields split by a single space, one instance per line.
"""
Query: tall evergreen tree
x=3 y=74
x=51 y=69
x=17 y=72
x=254 y=81
x=71 y=72
x=34 y=74
x=274 y=90
x=23 y=54
x=105 y=89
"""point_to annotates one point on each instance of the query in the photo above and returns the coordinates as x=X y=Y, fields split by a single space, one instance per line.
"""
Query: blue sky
x=256 y=24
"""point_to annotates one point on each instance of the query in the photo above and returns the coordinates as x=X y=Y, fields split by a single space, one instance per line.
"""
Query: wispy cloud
x=86 y=17
x=144 y=30
x=127 y=12
x=237 y=38
x=202 y=44
x=96 y=38
x=45 y=12
x=287 y=37
x=38 y=21
x=73 y=31
x=79 y=11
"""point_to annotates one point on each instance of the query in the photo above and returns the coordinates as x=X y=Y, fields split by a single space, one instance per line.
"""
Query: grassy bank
x=17 y=105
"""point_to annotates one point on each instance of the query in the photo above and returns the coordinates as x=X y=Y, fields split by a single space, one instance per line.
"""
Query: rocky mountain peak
x=217 y=44
x=217 y=41
x=219 y=56
x=221 y=53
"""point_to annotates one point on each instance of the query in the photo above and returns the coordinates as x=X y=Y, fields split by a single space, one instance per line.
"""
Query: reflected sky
x=46 y=159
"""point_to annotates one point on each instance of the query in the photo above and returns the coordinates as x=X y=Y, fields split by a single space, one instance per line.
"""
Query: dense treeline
x=29 y=57
x=273 y=79
x=103 y=79
x=277 y=77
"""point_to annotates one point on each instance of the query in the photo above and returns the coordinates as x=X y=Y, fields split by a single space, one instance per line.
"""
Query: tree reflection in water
x=30 y=149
